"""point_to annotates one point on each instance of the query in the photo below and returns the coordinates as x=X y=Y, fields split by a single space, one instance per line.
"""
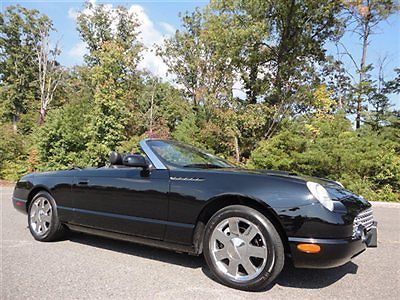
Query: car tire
x=43 y=221
x=243 y=248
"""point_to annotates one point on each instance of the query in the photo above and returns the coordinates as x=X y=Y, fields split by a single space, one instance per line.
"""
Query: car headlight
x=321 y=194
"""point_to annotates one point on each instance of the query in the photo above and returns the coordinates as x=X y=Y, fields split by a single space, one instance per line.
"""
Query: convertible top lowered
x=245 y=222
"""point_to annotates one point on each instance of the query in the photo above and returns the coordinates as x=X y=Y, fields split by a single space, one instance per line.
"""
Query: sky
x=160 y=19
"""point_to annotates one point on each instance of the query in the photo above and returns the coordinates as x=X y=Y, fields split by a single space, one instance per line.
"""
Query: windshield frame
x=170 y=165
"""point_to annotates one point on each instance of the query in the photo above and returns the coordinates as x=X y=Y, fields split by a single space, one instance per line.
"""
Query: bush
x=13 y=149
x=62 y=141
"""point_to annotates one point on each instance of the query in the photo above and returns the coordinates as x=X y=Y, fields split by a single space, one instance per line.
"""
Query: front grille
x=365 y=218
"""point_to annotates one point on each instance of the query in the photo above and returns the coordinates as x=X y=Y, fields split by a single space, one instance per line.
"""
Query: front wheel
x=43 y=221
x=242 y=248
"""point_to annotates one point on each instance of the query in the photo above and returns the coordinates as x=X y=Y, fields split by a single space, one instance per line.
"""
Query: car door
x=124 y=200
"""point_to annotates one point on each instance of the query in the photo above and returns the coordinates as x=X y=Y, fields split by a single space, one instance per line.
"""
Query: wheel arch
x=221 y=201
x=33 y=192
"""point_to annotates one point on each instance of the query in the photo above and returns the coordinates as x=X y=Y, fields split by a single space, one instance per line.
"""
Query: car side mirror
x=135 y=160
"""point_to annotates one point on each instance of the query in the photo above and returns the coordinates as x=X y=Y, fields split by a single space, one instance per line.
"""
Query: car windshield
x=175 y=154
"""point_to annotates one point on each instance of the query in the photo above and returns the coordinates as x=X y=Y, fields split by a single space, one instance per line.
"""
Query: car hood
x=336 y=191
x=283 y=174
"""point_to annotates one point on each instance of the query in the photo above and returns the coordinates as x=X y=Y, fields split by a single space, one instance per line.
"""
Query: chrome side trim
x=186 y=179
x=151 y=155
x=318 y=241
x=19 y=199
x=126 y=217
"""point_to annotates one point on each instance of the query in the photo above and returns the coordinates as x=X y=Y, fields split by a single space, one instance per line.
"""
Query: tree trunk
x=237 y=149
x=252 y=92
x=285 y=39
x=14 y=123
x=151 y=110
x=42 y=115
x=362 y=72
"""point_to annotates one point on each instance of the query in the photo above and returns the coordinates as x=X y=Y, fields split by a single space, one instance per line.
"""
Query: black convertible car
x=244 y=222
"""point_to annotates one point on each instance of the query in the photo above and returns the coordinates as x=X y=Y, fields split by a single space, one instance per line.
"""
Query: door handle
x=83 y=182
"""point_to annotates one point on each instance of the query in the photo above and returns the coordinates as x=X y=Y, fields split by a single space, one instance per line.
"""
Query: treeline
x=253 y=82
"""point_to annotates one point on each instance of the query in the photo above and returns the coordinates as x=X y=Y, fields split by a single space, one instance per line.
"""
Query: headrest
x=115 y=158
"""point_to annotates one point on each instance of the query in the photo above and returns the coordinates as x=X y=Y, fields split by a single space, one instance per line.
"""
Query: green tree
x=103 y=25
x=49 y=70
x=108 y=117
x=366 y=15
x=187 y=131
x=195 y=55
x=271 y=48
x=276 y=44
x=19 y=35
x=114 y=53
x=13 y=153
x=62 y=141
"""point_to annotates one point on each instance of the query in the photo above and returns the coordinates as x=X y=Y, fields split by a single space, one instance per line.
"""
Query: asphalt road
x=90 y=267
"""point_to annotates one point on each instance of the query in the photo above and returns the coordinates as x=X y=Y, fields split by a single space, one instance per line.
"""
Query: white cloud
x=151 y=37
x=78 y=51
x=169 y=29
x=72 y=13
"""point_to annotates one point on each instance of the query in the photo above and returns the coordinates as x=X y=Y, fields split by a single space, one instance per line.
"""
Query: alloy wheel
x=40 y=216
x=238 y=249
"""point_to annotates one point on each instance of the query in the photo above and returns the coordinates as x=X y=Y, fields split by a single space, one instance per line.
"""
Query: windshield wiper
x=203 y=166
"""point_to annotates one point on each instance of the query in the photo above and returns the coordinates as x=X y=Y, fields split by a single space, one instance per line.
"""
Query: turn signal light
x=309 y=248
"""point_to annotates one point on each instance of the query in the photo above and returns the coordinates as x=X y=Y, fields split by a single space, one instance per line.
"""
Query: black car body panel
x=164 y=206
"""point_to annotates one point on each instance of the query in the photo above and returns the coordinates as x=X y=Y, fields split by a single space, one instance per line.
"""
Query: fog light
x=309 y=248
x=359 y=232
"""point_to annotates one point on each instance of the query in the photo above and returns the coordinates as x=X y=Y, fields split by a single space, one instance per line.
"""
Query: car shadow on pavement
x=290 y=276
x=304 y=278
x=313 y=278
x=181 y=259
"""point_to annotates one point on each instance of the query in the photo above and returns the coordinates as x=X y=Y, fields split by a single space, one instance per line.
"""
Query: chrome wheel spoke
x=45 y=226
x=34 y=214
x=250 y=233
x=34 y=209
x=46 y=218
x=38 y=227
x=46 y=208
x=254 y=251
x=248 y=266
x=221 y=254
x=35 y=218
x=234 y=226
x=41 y=226
x=233 y=267
x=221 y=237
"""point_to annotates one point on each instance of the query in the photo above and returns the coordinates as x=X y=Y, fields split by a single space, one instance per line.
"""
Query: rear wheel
x=242 y=248
x=43 y=220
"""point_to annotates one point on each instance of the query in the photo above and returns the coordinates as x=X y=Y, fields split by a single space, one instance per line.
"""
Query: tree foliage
x=253 y=83
x=19 y=36
x=62 y=140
